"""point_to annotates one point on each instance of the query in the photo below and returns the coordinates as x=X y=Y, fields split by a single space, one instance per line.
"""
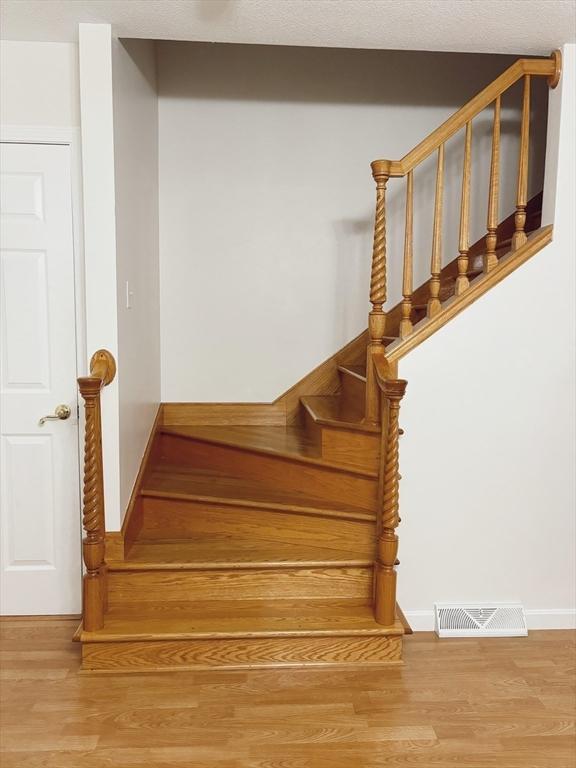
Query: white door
x=40 y=512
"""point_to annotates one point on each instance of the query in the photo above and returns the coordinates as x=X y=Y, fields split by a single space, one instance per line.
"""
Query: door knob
x=60 y=412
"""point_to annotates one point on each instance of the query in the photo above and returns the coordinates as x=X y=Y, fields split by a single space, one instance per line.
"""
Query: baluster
x=519 y=237
x=490 y=258
x=434 y=305
x=462 y=282
x=377 y=317
x=93 y=508
x=407 y=287
x=387 y=543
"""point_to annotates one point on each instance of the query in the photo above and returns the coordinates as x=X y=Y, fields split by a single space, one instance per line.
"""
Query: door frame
x=71 y=137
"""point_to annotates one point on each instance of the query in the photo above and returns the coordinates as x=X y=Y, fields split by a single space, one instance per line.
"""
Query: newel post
x=102 y=369
x=377 y=316
x=387 y=540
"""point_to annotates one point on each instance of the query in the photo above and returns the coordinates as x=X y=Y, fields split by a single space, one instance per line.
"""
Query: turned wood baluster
x=434 y=305
x=519 y=237
x=377 y=317
x=407 y=283
x=93 y=508
x=462 y=282
x=387 y=541
x=490 y=258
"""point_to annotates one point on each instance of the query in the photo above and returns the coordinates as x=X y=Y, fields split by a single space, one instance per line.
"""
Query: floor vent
x=480 y=620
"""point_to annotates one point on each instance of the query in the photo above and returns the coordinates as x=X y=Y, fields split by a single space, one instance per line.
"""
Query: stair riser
x=241 y=653
x=241 y=584
x=276 y=471
x=171 y=519
x=353 y=391
x=356 y=450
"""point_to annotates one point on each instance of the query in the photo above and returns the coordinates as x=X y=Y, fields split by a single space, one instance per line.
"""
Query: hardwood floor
x=498 y=703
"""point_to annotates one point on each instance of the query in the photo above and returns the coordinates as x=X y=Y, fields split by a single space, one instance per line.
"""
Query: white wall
x=488 y=458
x=136 y=190
x=120 y=166
x=266 y=199
x=39 y=84
x=95 y=67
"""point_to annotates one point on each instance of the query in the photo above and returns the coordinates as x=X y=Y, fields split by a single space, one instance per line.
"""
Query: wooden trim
x=478 y=287
x=549 y=68
x=401 y=617
x=42 y=617
x=223 y=414
x=133 y=519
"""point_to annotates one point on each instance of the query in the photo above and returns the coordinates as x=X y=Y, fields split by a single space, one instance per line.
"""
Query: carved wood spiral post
x=387 y=541
x=377 y=317
x=102 y=369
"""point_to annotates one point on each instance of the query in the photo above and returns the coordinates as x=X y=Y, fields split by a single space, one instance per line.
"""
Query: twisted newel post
x=387 y=540
x=377 y=316
x=102 y=370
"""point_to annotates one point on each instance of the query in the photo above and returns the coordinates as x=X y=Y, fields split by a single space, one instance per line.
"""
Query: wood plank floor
x=498 y=703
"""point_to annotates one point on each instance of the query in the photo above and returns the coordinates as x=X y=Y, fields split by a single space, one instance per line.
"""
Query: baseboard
x=551 y=618
x=537 y=618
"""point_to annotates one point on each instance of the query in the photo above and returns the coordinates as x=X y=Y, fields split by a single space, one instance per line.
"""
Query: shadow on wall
x=338 y=75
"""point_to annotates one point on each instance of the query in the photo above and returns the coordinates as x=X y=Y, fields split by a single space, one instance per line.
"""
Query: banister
x=102 y=372
x=550 y=68
x=102 y=367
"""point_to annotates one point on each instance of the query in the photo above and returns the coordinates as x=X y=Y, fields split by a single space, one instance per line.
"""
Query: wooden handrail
x=549 y=68
x=102 y=372
x=383 y=170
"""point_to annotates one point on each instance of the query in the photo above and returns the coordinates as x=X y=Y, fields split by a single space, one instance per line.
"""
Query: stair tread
x=333 y=410
x=169 y=481
x=359 y=371
x=229 y=551
x=239 y=618
x=288 y=442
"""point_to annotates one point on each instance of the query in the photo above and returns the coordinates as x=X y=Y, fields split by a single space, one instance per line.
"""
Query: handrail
x=383 y=170
x=102 y=372
x=549 y=68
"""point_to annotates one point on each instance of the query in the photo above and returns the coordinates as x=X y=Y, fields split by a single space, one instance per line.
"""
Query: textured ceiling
x=491 y=26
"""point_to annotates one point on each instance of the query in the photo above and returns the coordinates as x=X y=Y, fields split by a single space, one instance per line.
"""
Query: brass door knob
x=61 y=412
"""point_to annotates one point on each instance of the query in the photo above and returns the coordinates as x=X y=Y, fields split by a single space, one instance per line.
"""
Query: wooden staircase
x=265 y=534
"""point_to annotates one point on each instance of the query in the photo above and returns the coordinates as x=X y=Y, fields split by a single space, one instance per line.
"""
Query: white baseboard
x=537 y=618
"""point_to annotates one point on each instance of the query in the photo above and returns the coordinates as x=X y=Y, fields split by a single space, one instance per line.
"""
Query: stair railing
x=102 y=372
x=383 y=170
x=384 y=390
x=387 y=520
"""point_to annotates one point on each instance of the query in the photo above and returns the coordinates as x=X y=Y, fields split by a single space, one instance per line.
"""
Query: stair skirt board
x=244 y=653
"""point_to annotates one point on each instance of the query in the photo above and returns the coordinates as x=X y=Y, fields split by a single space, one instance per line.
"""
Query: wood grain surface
x=493 y=703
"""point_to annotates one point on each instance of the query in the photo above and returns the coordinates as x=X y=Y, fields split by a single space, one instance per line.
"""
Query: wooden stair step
x=278 y=457
x=292 y=443
x=183 y=483
x=229 y=634
x=233 y=618
x=216 y=551
x=334 y=411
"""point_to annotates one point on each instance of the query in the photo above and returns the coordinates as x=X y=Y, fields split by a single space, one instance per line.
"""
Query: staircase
x=264 y=535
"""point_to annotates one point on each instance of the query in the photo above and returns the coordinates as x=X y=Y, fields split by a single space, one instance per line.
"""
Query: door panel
x=40 y=513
